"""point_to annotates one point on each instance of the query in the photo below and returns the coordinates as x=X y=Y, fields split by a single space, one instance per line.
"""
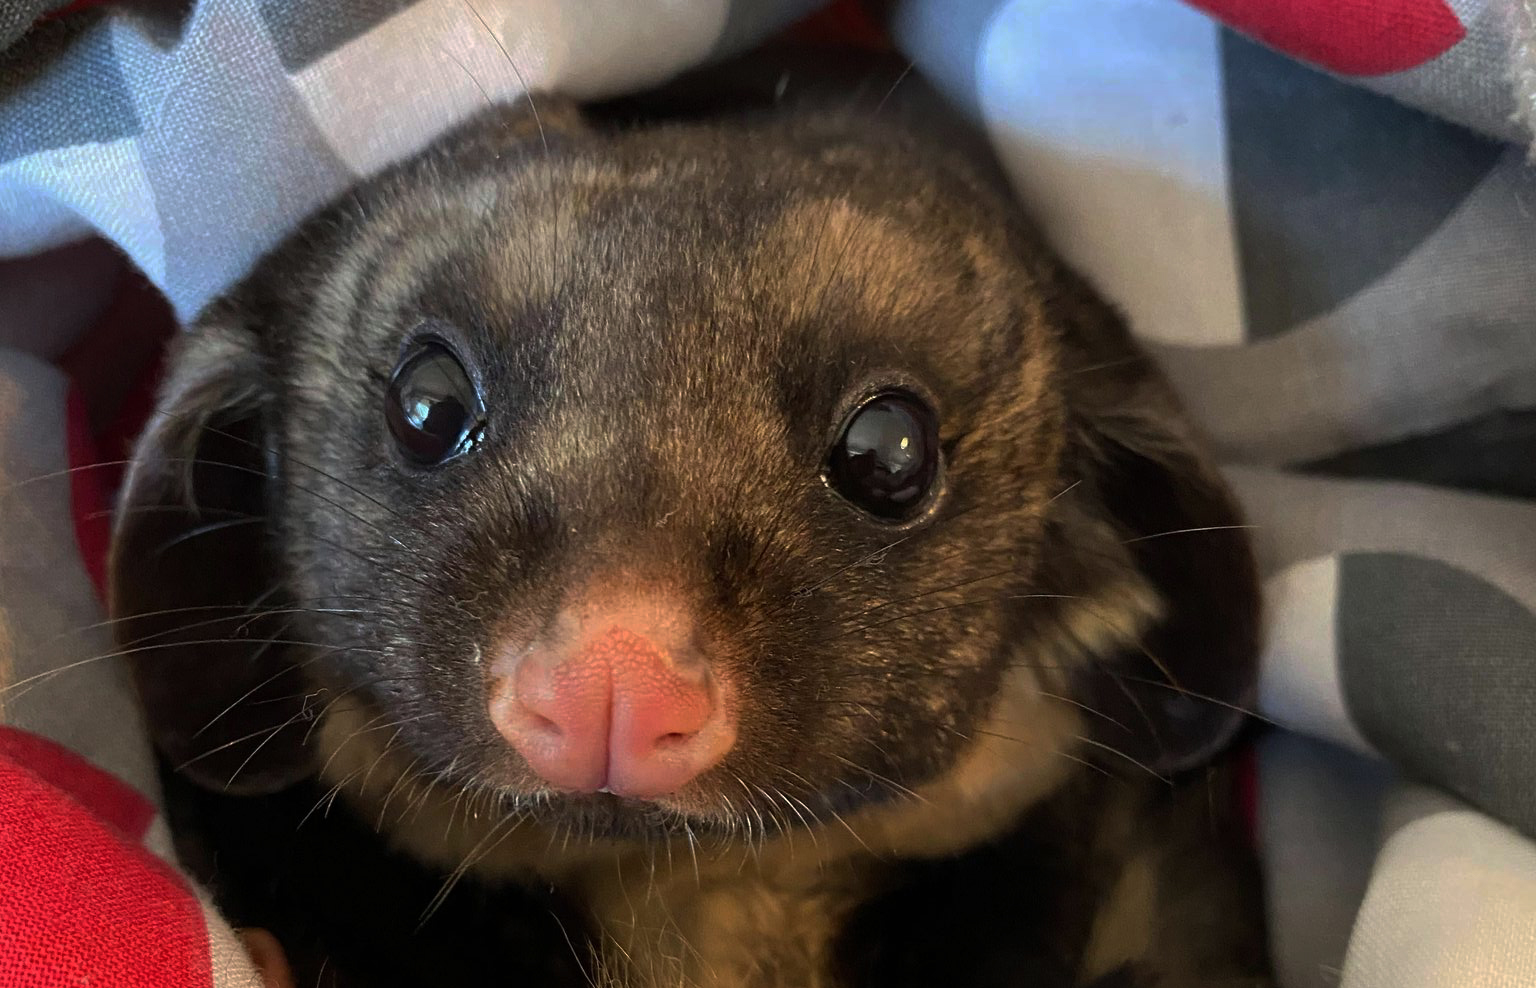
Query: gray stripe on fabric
x=1439 y=672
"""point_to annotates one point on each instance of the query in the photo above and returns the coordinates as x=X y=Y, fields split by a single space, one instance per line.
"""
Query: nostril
x=543 y=724
x=553 y=710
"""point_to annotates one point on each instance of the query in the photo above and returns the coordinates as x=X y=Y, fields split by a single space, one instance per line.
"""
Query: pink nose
x=615 y=700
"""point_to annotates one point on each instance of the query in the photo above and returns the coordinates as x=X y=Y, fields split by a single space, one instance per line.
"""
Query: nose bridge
x=625 y=617
x=651 y=481
x=659 y=419
x=613 y=468
x=634 y=568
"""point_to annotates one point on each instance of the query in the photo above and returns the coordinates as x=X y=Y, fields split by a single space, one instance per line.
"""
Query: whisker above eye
x=512 y=64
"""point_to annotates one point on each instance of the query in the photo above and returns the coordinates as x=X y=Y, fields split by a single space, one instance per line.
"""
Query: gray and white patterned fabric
x=1319 y=214
x=194 y=140
x=16 y=16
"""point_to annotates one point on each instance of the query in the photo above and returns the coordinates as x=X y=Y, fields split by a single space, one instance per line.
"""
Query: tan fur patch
x=1124 y=927
x=687 y=914
x=818 y=250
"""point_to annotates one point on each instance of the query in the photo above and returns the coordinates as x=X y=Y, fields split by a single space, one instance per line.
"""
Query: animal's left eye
x=433 y=409
x=887 y=459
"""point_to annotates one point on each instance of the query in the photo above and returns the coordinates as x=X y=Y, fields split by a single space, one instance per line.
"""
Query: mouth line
x=603 y=815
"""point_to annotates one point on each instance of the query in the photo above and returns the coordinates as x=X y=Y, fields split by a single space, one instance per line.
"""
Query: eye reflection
x=887 y=458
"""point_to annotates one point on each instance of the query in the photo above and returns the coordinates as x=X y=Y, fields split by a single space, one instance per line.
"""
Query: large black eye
x=887 y=458
x=433 y=410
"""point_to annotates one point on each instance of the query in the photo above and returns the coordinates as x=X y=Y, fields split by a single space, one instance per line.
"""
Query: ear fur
x=1174 y=698
x=193 y=579
x=1180 y=694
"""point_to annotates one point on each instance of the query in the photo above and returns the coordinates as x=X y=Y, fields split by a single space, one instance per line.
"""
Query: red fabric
x=116 y=437
x=116 y=364
x=1350 y=37
x=1248 y=791
x=75 y=7
x=845 y=23
x=102 y=793
x=81 y=903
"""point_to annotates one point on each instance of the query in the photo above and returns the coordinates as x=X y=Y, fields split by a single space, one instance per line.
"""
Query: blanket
x=1319 y=214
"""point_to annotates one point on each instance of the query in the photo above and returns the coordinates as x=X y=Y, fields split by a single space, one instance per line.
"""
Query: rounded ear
x=1175 y=697
x=196 y=594
x=1179 y=695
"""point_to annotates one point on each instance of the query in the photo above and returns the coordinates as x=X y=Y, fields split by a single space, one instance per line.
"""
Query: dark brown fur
x=668 y=325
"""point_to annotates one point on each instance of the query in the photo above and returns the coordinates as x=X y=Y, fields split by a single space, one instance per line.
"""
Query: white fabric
x=1452 y=903
x=1299 y=673
x=53 y=633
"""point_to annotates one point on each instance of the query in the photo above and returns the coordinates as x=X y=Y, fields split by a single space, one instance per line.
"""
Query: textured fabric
x=1400 y=621
x=1439 y=672
x=1363 y=37
x=1452 y=901
x=202 y=141
x=1320 y=820
x=16 y=16
x=52 y=628
x=1308 y=258
x=80 y=902
x=88 y=891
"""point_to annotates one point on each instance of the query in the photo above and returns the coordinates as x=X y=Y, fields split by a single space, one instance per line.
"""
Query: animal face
x=700 y=478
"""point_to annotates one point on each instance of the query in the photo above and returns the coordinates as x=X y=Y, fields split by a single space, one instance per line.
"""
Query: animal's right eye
x=433 y=409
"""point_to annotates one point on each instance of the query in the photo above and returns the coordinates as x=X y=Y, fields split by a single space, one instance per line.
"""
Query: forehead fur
x=665 y=269
x=670 y=226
